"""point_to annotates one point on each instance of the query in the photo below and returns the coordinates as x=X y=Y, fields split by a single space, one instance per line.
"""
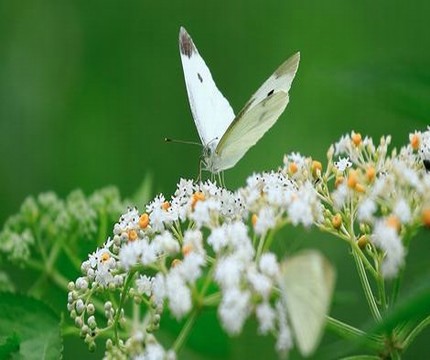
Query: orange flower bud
x=370 y=173
x=336 y=221
x=144 y=221
x=105 y=257
x=292 y=168
x=339 y=180
x=356 y=138
x=197 y=196
x=176 y=262
x=362 y=241
x=352 y=179
x=132 y=235
x=393 y=222
x=316 y=168
x=360 y=188
x=165 y=205
x=415 y=141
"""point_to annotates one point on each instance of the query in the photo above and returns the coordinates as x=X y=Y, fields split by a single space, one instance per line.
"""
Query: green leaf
x=144 y=193
x=414 y=307
x=33 y=323
x=9 y=345
x=307 y=284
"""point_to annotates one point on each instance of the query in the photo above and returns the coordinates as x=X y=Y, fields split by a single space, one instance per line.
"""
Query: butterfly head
x=210 y=156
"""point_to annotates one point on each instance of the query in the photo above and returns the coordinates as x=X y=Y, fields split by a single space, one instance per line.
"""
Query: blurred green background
x=89 y=90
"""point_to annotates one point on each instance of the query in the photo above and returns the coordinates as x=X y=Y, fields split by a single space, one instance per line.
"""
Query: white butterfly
x=226 y=137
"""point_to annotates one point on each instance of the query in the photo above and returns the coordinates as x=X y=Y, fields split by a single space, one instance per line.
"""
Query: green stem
x=185 y=330
x=349 y=332
x=382 y=297
x=212 y=299
x=366 y=287
x=413 y=334
x=76 y=261
x=121 y=304
x=363 y=258
x=396 y=286
x=53 y=256
x=260 y=247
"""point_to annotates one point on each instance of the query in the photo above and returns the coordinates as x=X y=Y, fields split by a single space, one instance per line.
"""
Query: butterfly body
x=226 y=137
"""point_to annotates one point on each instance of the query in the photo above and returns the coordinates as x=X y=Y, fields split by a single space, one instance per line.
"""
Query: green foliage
x=28 y=329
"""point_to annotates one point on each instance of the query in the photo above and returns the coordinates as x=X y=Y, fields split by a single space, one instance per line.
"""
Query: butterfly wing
x=258 y=116
x=211 y=111
x=307 y=282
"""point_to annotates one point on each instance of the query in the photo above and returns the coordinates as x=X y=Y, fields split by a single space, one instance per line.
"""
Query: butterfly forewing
x=257 y=117
x=211 y=111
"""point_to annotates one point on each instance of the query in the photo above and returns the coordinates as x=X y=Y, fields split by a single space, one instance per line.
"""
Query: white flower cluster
x=159 y=256
x=170 y=256
x=388 y=192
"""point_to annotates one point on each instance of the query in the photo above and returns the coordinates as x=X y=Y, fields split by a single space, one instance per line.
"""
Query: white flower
x=278 y=188
x=144 y=284
x=127 y=221
x=296 y=158
x=153 y=351
x=190 y=268
x=178 y=294
x=167 y=243
x=129 y=254
x=160 y=215
x=139 y=251
x=284 y=341
x=306 y=207
x=100 y=265
x=340 y=196
x=266 y=220
x=266 y=318
x=206 y=213
x=158 y=289
x=342 y=164
x=234 y=310
x=261 y=284
x=366 y=209
x=386 y=238
x=233 y=237
x=402 y=211
x=194 y=238
x=228 y=272
x=103 y=275
x=181 y=201
x=217 y=239
x=268 y=265
x=343 y=145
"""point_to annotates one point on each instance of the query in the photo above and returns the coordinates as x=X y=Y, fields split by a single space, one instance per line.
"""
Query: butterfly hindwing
x=211 y=111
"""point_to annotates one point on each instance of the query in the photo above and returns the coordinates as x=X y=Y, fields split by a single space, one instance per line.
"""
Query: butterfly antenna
x=170 y=140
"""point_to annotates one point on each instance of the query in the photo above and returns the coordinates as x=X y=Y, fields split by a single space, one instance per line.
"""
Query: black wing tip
x=186 y=44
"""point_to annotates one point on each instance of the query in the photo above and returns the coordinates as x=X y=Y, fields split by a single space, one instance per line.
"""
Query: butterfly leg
x=221 y=179
x=199 y=178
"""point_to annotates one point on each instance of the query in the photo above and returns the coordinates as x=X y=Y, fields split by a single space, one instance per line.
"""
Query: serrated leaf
x=35 y=325
x=307 y=283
